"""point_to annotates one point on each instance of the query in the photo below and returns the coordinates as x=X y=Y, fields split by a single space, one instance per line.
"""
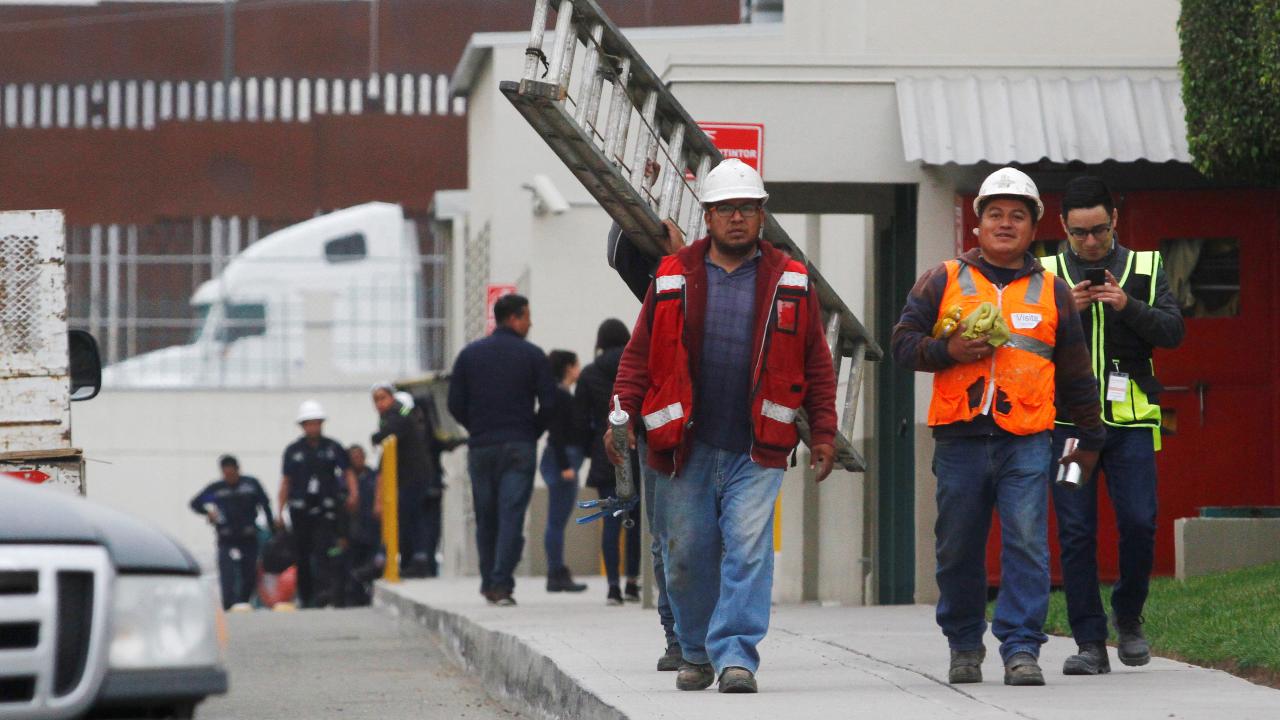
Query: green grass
x=1229 y=620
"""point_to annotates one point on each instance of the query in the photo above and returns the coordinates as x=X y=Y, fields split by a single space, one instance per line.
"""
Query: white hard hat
x=730 y=180
x=310 y=410
x=1009 y=181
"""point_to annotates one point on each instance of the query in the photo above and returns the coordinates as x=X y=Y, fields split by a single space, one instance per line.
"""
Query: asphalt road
x=349 y=664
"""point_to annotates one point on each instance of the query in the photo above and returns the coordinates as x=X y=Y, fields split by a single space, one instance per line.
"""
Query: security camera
x=546 y=198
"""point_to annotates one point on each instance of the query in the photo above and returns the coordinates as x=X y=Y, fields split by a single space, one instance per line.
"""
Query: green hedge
x=1231 y=87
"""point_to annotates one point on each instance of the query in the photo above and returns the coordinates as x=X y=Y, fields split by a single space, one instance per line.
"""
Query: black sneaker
x=615 y=596
x=737 y=680
x=695 y=677
x=503 y=598
x=966 y=666
x=561 y=581
x=670 y=660
x=1091 y=660
x=1023 y=669
x=1132 y=647
x=632 y=591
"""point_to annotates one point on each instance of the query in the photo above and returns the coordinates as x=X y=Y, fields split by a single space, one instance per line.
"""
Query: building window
x=345 y=249
x=1204 y=275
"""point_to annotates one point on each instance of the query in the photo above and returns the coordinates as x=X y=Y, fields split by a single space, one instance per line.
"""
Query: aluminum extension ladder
x=597 y=151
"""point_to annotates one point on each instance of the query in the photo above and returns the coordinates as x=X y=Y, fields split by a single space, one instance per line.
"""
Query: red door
x=1223 y=396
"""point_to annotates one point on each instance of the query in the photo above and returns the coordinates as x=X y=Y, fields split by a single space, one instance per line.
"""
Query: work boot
x=1132 y=647
x=1023 y=669
x=1091 y=660
x=670 y=660
x=615 y=596
x=632 y=592
x=966 y=666
x=503 y=598
x=737 y=680
x=695 y=677
x=561 y=581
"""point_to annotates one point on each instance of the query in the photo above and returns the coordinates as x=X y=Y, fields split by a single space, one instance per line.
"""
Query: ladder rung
x=534 y=52
x=592 y=81
x=674 y=174
x=619 y=115
x=646 y=143
x=563 y=43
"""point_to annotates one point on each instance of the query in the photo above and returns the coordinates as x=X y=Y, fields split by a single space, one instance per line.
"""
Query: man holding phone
x=1126 y=309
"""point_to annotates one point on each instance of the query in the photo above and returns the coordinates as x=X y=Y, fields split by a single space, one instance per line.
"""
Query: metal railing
x=646 y=141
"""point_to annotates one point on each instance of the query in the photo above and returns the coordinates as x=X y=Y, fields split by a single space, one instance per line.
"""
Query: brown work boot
x=1023 y=669
x=695 y=677
x=966 y=666
x=670 y=660
x=737 y=680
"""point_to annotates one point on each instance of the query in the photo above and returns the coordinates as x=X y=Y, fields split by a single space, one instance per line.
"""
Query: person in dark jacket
x=1125 y=316
x=364 y=555
x=560 y=462
x=637 y=270
x=231 y=505
x=501 y=391
x=317 y=486
x=593 y=398
x=414 y=474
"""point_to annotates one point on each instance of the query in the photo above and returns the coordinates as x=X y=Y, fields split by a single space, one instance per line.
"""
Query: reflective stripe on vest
x=1136 y=409
x=1016 y=385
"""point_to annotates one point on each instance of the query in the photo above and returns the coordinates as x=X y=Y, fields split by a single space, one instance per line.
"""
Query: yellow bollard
x=388 y=490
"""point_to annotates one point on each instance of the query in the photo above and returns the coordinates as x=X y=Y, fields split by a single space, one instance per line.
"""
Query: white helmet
x=310 y=410
x=1009 y=181
x=732 y=179
x=404 y=398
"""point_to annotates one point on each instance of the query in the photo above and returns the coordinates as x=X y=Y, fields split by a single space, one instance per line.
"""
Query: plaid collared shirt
x=722 y=404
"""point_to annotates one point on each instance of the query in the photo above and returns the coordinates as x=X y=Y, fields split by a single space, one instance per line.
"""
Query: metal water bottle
x=1069 y=474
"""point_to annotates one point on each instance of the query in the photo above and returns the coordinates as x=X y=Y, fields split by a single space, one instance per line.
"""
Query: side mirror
x=86 y=365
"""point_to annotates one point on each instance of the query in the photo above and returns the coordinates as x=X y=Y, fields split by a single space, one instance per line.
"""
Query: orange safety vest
x=1016 y=385
x=778 y=377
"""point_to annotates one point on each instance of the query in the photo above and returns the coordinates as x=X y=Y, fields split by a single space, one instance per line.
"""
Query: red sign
x=744 y=141
x=496 y=290
x=31 y=476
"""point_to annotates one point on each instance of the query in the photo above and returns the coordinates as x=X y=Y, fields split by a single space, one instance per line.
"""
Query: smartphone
x=1096 y=276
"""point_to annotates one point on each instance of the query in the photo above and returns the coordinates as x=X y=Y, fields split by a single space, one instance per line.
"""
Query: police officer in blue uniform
x=319 y=488
x=231 y=505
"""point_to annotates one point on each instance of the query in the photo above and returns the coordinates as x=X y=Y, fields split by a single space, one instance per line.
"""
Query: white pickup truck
x=100 y=614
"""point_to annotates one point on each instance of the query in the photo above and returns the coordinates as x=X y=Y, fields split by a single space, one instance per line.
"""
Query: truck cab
x=252 y=318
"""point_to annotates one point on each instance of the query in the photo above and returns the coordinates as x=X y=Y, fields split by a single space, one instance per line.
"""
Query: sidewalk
x=571 y=656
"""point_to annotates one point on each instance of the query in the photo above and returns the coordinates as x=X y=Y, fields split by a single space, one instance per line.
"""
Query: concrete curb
x=525 y=678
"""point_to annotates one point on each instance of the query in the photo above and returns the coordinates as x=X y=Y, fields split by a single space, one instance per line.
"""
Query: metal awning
x=1028 y=118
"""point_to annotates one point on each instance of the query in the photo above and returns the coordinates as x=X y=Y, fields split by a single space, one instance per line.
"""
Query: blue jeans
x=716 y=524
x=1129 y=461
x=976 y=474
x=650 y=481
x=501 y=483
x=561 y=494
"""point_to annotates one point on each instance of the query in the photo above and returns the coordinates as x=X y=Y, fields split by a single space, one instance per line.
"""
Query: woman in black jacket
x=560 y=462
x=592 y=397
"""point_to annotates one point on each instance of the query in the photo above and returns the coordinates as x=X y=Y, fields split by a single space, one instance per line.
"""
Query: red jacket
x=633 y=380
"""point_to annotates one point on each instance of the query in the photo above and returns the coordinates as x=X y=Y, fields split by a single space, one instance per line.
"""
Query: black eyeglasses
x=726 y=210
x=1099 y=231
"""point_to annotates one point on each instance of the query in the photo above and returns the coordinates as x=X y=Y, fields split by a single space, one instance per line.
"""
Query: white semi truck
x=354 y=271
x=99 y=614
